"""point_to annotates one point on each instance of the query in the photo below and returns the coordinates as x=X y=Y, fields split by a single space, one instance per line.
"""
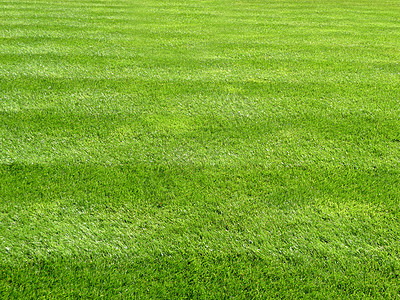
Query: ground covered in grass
x=201 y=149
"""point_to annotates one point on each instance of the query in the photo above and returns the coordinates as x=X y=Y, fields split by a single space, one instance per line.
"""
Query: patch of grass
x=199 y=149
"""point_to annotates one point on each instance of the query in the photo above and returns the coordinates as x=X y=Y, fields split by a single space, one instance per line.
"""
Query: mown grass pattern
x=199 y=149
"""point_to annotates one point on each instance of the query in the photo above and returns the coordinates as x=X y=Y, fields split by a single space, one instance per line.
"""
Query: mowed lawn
x=199 y=149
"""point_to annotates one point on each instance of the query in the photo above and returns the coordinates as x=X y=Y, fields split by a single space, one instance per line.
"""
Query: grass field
x=199 y=149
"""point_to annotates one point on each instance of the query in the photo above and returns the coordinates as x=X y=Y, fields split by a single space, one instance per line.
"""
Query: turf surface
x=199 y=149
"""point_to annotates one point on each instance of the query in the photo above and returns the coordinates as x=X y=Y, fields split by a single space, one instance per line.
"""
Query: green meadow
x=199 y=149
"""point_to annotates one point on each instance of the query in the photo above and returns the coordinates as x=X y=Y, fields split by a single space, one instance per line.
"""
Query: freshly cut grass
x=199 y=149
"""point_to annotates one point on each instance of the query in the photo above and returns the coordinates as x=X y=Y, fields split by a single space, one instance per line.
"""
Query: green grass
x=199 y=149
